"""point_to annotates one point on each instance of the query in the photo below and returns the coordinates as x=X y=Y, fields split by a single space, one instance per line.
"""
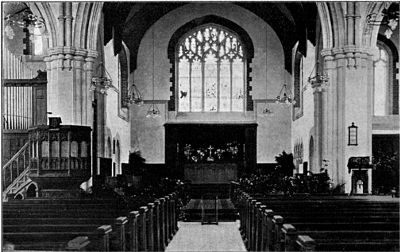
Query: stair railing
x=16 y=165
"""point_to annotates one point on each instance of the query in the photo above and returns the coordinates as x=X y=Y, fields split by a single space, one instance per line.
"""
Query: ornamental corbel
x=68 y=62
x=350 y=60
x=340 y=58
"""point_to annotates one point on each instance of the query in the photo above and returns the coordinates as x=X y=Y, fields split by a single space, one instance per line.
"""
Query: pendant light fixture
x=103 y=82
x=285 y=95
x=266 y=111
x=153 y=111
x=24 y=19
x=134 y=96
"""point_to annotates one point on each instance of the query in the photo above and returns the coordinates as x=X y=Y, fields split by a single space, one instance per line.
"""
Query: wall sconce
x=353 y=134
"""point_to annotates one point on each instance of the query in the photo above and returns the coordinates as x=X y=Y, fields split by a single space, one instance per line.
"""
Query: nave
x=261 y=223
x=137 y=126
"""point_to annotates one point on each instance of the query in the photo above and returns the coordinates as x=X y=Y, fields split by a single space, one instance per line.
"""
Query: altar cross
x=210 y=149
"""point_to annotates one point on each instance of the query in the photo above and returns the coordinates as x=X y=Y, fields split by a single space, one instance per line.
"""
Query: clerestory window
x=211 y=71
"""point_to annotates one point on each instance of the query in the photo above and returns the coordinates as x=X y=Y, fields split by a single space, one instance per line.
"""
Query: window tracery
x=211 y=70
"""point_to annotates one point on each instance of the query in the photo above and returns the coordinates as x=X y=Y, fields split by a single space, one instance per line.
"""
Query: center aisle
x=192 y=236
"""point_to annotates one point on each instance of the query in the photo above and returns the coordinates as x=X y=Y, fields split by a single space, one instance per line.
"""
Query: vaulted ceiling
x=292 y=22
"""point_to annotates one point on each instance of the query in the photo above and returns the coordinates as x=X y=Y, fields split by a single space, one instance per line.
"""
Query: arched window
x=211 y=71
x=123 y=78
x=108 y=150
x=298 y=79
x=386 y=85
x=381 y=83
x=118 y=157
x=37 y=41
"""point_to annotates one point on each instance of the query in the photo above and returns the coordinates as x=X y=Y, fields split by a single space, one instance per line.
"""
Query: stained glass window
x=211 y=71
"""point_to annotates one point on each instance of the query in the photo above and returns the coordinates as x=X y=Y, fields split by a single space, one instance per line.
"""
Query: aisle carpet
x=192 y=236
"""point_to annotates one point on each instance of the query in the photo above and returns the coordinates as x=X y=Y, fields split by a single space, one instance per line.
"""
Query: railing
x=18 y=184
x=16 y=165
x=149 y=229
x=264 y=231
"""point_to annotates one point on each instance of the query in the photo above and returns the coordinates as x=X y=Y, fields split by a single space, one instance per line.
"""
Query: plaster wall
x=302 y=128
x=266 y=72
x=116 y=119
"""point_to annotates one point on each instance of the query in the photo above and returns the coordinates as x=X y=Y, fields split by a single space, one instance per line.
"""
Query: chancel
x=134 y=126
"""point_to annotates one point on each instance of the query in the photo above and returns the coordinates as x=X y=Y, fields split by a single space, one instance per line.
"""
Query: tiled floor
x=192 y=236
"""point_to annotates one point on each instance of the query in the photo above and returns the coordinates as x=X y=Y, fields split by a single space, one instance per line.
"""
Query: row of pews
x=310 y=223
x=88 y=225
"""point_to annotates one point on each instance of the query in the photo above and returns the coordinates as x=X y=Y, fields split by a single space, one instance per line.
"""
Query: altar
x=210 y=172
x=210 y=153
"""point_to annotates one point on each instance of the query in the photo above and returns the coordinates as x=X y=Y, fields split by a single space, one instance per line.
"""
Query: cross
x=210 y=149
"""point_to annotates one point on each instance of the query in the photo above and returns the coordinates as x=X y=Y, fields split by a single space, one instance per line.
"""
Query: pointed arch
x=81 y=24
x=326 y=24
x=93 y=25
x=44 y=10
x=338 y=22
x=370 y=32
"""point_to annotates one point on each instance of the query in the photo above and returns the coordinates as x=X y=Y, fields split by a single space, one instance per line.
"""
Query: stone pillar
x=318 y=125
x=348 y=99
x=68 y=84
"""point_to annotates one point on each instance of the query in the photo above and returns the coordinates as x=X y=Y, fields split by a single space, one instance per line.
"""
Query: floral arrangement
x=226 y=152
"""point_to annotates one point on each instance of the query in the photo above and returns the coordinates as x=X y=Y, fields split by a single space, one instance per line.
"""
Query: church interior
x=122 y=121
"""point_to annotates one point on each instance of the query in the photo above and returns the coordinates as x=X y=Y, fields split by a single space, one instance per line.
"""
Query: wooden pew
x=354 y=216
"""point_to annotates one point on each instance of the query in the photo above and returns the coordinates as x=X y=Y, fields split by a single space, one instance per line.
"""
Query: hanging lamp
x=103 y=82
x=134 y=96
x=285 y=95
x=24 y=19
x=153 y=111
x=266 y=111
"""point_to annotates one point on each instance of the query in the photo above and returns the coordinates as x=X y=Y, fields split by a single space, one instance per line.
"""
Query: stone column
x=349 y=99
x=68 y=84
